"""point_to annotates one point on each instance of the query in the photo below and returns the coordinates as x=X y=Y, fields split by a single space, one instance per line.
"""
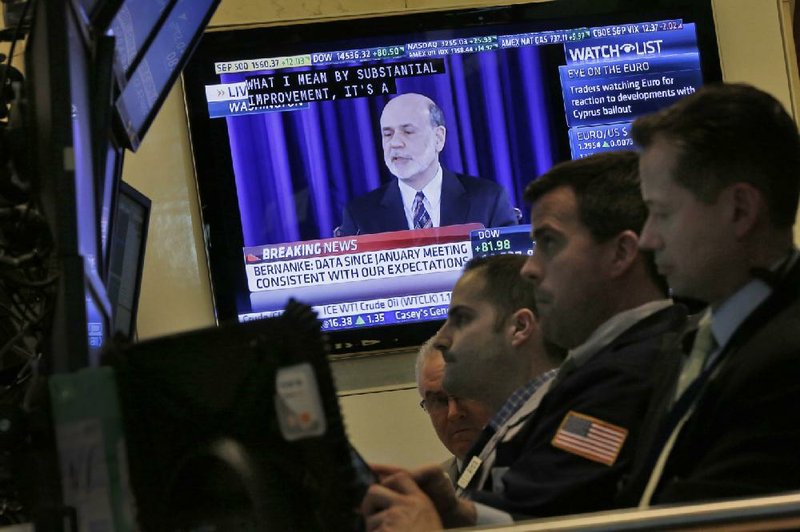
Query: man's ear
x=745 y=207
x=522 y=326
x=441 y=135
x=624 y=252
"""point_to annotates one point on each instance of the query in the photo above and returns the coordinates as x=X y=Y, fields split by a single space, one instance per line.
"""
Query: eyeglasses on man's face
x=435 y=403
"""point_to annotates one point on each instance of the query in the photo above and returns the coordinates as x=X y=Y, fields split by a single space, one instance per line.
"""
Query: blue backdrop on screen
x=296 y=170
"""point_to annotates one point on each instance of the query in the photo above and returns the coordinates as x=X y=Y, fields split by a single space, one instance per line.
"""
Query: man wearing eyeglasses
x=457 y=421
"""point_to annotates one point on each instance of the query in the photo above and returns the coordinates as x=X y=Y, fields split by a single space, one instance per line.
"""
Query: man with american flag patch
x=599 y=297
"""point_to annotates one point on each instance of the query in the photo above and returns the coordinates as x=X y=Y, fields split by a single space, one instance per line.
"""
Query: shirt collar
x=612 y=328
x=731 y=313
x=728 y=316
x=518 y=398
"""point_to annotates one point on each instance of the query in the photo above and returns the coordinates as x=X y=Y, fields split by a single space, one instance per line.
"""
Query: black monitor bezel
x=223 y=232
x=222 y=384
x=99 y=18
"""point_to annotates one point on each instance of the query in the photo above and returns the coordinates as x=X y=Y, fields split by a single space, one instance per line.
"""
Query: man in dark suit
x=599 y=296
x=424 y=194
x=721 y=175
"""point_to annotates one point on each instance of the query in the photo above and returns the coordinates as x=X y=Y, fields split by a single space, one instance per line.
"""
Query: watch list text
x=614 y=51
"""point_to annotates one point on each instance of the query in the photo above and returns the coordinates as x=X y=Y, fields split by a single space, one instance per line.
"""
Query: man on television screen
x=424 y=194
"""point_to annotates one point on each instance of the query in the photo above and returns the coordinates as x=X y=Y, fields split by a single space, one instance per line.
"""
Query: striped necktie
x=422 y=220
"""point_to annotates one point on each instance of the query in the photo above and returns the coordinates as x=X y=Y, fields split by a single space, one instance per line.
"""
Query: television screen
x=307 y=161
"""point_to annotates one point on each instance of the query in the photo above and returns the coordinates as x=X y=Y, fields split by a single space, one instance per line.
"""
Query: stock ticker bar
x=255 y=96
x=514 y=239
x=266 y=63
x=386 y=311
x=388 y=317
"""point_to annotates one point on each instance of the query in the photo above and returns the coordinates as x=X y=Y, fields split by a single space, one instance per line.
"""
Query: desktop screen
x=286 y=132
x=126 y=258
x=59 y=119
x=159 y=64
x=134 y=27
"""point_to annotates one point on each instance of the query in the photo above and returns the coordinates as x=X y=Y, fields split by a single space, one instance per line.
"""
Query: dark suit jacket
x=743 y=438
x=615 y=386
x=464 y=199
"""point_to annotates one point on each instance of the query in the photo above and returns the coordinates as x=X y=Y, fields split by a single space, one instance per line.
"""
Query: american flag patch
x=590 y=437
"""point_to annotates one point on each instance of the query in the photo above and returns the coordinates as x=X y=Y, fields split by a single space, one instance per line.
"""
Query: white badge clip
x=469 y=472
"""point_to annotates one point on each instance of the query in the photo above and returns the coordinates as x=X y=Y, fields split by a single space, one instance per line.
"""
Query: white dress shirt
x=432 y=201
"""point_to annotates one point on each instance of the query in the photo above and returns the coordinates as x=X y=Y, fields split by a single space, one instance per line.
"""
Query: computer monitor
x=160 y=63
x=98 y=13
x=108 y=193
x=237 y=427
x=286 y=136
x=126 y=257
x=135 y=24
x=60 y=91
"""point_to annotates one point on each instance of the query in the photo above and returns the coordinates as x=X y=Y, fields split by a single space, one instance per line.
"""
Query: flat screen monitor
x=287 y=141
x=134 y=27
x=112 y=173
x=153 y=74
x=60 y=116
x=98 y=14
x=126 y=258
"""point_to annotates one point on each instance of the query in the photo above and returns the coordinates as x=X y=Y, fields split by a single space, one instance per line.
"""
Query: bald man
x=424 y=194
x=457 y=421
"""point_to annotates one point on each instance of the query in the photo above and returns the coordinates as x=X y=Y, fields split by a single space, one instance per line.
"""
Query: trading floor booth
x=377 y=392
x=254 y=324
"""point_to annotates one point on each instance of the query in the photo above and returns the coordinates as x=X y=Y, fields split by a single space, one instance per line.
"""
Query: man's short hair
x=504 y=287
x=606 y=188
x=729 y=133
